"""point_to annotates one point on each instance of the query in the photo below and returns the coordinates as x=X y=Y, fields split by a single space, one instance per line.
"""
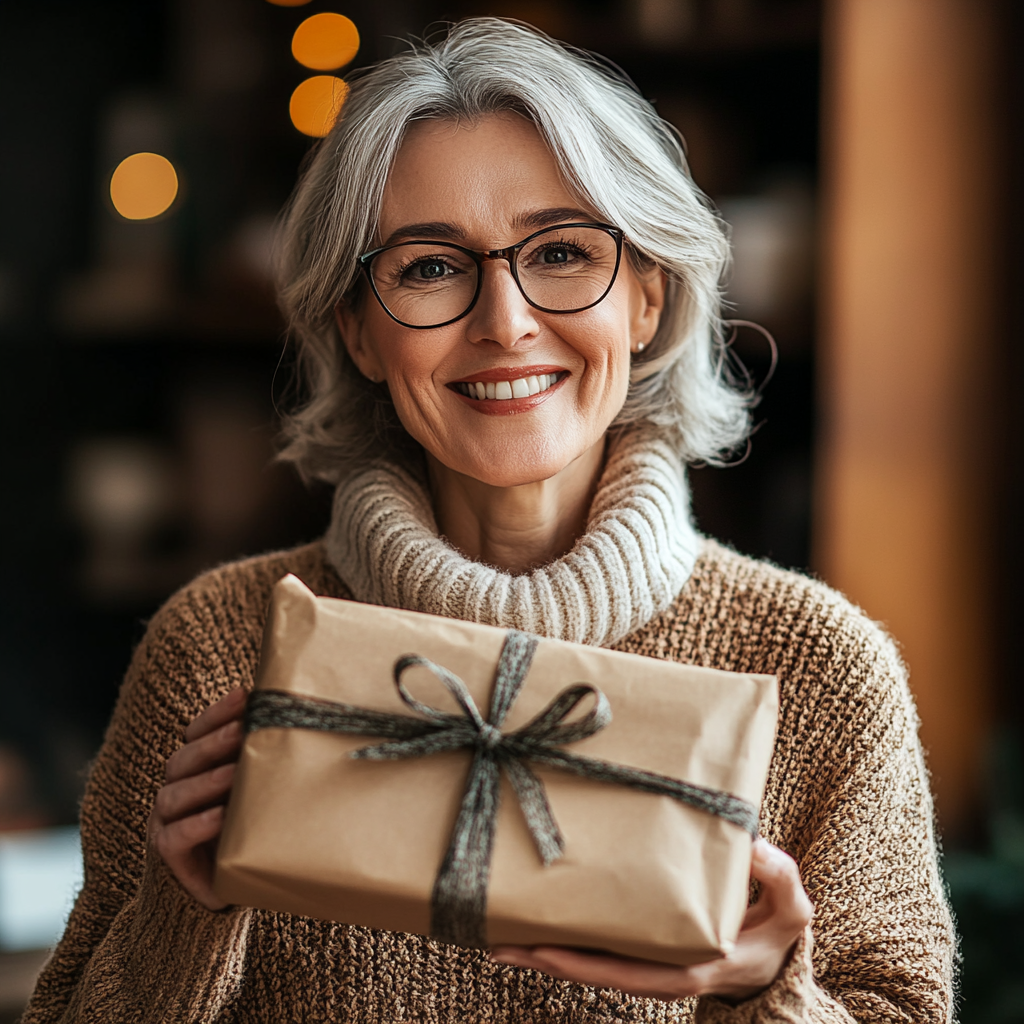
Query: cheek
x=406 y=359
x=604 y=345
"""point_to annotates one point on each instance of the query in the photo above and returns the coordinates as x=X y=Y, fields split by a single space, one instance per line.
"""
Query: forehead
x=480 y=176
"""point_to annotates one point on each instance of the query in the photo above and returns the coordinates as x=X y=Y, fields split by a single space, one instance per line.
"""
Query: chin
x=515 y=465
x=516 y=475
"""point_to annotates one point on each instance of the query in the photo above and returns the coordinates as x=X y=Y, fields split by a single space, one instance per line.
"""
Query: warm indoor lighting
x=288 y=3
x=143 y=186
x=316 y=103
x=326 y=41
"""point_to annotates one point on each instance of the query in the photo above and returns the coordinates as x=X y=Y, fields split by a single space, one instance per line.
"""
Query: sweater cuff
x=789 y=999
x=200 y=951
x=165 y=953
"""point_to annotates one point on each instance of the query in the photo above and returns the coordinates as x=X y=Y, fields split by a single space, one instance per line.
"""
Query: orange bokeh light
x=315 y=104
x=143 y=186
x=325 y=42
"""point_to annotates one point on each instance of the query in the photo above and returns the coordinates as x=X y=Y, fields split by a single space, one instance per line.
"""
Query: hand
x=189 y=810
x=769 y=932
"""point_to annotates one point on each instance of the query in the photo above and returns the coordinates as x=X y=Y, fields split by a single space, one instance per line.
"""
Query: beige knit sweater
x=847 y=796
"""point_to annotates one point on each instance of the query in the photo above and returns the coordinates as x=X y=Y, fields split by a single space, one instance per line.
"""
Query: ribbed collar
x=636 y=555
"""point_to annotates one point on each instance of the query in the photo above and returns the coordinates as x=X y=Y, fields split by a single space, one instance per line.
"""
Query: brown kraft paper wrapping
x=311 y=831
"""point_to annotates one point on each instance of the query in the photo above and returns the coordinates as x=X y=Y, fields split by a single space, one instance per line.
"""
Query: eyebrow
x=446 y=231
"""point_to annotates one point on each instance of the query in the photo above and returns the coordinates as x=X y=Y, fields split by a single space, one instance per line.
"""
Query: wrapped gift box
x=310 y=830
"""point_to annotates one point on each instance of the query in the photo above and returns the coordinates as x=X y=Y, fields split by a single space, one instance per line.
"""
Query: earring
x=640 y=346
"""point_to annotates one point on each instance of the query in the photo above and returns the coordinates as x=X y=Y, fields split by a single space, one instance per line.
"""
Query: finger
x=185 y=848
x=784 y=905
x=206 y=752
x=194 y=793
x=223 y=711
x=636 y=977
x=178 y=838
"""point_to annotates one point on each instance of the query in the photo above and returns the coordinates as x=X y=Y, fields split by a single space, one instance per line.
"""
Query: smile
x=506 y=390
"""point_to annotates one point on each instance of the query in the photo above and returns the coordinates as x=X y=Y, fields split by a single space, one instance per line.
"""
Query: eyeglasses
x=562 y=269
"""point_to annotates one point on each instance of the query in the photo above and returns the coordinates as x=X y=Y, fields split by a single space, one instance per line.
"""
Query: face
x=486 y=186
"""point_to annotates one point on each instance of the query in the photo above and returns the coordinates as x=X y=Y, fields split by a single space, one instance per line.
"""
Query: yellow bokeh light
x=325 y=42
x=315 y=104
x=143 y=186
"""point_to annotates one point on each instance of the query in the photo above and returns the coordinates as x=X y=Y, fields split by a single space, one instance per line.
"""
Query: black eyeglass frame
x=480 y=256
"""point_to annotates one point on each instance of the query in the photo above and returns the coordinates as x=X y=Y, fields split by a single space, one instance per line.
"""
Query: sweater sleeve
x=137 y=946
x=854 y=809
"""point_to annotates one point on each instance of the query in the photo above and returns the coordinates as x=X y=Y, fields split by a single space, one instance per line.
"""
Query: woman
x=504 y=287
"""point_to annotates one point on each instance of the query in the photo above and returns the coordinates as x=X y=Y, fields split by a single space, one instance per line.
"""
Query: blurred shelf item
x=18 y=974
x=40 y=875
x=19 y=805
x=772 y=276
x=632 y=29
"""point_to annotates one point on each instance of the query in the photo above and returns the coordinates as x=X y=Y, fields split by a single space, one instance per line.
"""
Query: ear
x=354 y=336
x=648 y=304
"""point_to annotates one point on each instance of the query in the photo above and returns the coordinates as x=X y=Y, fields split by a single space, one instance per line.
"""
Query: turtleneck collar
x=635 y=556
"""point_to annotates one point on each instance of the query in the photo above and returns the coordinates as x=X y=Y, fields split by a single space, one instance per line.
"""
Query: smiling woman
x=504 y=288
x=498 y=317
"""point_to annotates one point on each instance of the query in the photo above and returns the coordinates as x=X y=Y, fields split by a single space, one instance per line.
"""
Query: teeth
x=503 y=390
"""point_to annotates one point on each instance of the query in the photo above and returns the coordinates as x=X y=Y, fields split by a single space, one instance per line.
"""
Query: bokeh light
x=326 y=41
x=315 y=104
x=288 y=3
x=143 y=186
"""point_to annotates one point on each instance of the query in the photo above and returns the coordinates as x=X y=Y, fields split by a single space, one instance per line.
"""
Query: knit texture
x=635 y=556
x=847 y=797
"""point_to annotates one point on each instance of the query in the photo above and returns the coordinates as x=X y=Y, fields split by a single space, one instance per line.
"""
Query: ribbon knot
x=459 y=898
x=490 y=738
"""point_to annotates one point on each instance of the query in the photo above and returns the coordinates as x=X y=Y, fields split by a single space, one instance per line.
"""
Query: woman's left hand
x=769 y=932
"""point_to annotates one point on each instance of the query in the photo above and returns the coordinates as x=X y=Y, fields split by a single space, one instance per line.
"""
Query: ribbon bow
x=459 y=898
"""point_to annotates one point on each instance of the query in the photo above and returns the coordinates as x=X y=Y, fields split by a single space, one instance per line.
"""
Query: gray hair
x=616 y=155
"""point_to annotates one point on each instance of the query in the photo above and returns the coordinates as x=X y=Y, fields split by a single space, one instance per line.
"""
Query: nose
x=501 y=314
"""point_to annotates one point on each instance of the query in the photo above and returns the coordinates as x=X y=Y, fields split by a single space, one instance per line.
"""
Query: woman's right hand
x=189 y=810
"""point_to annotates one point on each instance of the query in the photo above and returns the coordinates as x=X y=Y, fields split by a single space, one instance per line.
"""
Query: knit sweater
x=638 y=550
x=847 y=797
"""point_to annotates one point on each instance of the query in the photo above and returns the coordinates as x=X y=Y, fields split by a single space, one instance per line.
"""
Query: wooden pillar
x=903 y=507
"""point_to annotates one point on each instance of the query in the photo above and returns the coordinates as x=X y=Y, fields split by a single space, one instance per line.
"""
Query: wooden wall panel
x=903 y=509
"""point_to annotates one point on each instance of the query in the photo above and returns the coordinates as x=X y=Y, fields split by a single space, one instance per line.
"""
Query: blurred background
x=865 y=154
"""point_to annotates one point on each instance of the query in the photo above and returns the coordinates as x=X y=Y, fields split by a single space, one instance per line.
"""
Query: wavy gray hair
x=617 y=156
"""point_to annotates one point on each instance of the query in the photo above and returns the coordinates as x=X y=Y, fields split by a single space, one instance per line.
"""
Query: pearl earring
x=640 y=346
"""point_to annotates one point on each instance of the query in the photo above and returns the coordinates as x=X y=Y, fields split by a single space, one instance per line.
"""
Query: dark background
x=142 y=365
x=187 y=390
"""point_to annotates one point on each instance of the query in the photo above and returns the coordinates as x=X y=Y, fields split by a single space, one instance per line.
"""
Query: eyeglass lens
x=564 y=269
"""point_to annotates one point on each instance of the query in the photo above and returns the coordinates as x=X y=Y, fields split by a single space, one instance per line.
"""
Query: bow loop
x=452 y=683
x=550 y=726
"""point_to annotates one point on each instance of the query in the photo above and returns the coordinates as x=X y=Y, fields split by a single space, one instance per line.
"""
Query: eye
x=557 y=254
x=430 y=270
x=554 y=253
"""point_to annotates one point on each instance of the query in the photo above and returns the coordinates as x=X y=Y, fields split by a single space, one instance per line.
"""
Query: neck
x=515 y=528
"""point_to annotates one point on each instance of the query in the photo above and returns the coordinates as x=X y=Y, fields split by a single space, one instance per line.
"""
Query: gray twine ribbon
x=459 y=899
